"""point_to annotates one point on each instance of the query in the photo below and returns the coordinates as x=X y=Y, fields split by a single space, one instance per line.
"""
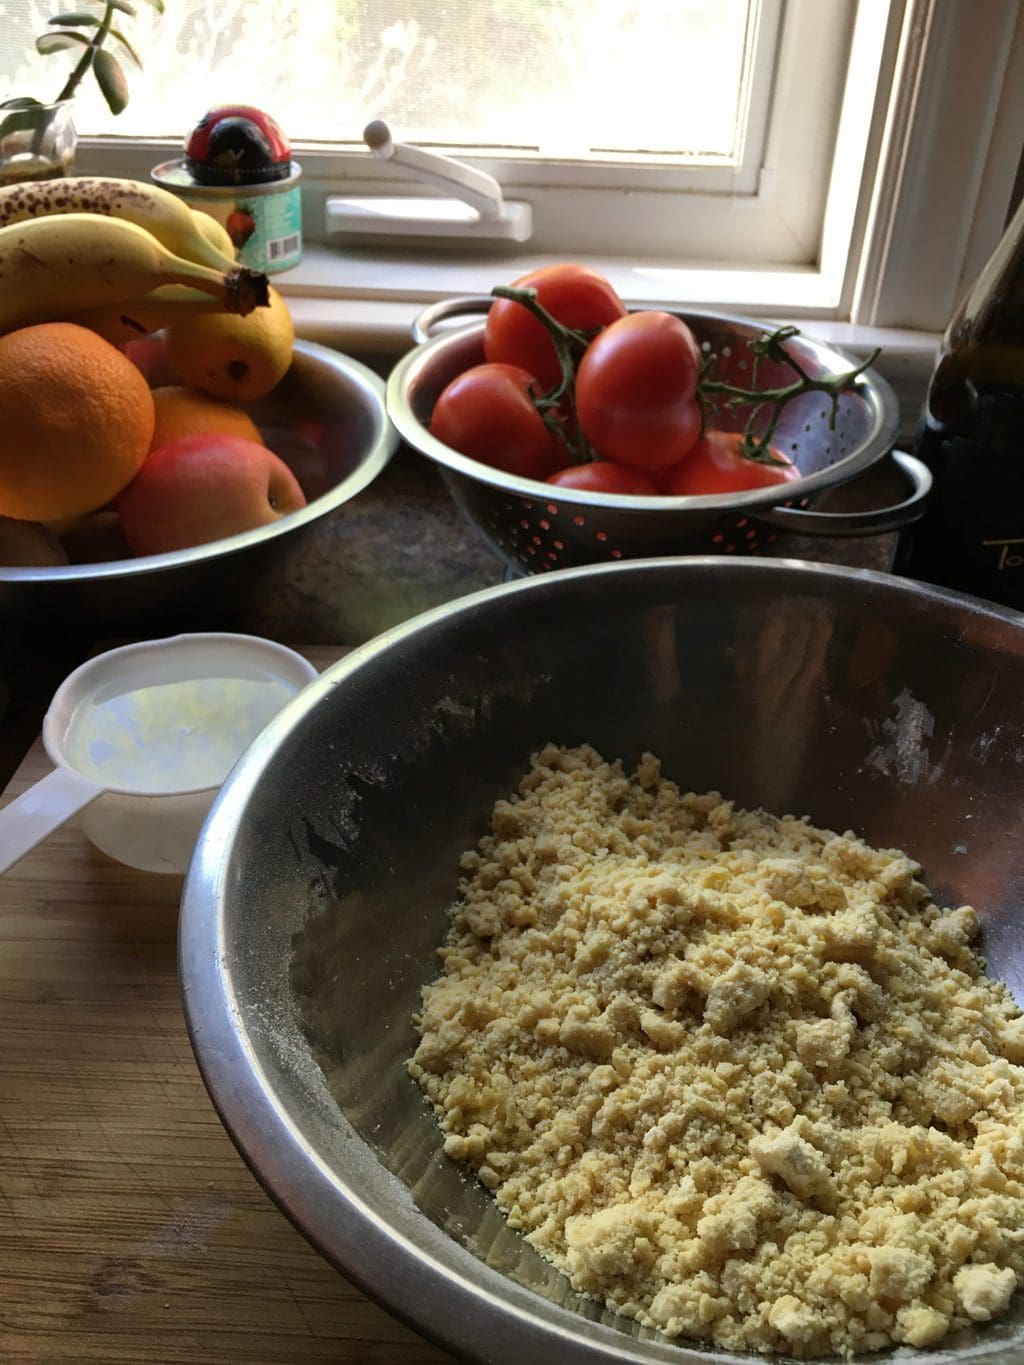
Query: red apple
x=149 y=354
x=202 y=488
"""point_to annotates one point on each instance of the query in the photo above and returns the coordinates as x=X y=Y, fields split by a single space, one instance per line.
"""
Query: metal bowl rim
x=371 y=384
x=449 y=1295
x=874 y=389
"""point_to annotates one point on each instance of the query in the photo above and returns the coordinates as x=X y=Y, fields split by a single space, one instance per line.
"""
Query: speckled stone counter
x=402 y=547
x=397 y=549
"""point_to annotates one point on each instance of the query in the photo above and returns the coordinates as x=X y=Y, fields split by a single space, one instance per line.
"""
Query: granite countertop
x=402 y=547
x=397 y=549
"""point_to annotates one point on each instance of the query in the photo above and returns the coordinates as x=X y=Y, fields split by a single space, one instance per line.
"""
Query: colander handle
x=871 y=523
x=425 y=322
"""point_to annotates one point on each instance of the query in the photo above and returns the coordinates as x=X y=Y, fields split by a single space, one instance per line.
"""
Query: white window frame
x=951 y=154
x=940 y=156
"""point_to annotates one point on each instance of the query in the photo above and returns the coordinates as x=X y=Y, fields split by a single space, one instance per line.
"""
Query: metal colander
x=536 y=527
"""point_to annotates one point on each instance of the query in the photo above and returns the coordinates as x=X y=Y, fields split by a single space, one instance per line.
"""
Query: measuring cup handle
x=36 y=813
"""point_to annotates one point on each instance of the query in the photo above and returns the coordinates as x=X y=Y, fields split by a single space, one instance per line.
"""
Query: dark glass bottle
x=971 y=436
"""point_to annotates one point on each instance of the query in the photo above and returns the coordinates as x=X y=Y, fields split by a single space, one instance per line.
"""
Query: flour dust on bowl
x=536 y=527
x=317 y=899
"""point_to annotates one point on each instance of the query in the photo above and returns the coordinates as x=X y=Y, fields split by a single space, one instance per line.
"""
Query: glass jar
x=37 y=141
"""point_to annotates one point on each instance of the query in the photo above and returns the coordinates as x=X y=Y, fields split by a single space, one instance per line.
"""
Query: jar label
x=265 y=228
x=264 y=221
x=972 y=534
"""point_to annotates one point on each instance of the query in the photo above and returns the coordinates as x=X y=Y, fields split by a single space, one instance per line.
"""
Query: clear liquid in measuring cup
x=176 y=736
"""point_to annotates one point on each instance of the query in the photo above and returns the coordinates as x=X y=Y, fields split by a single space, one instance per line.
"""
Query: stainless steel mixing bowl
x=326 y=419
x=318 y=892
x=534 y=527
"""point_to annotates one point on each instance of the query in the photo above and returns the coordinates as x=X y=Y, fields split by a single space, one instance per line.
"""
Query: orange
x=76 y=421
x=181 y=411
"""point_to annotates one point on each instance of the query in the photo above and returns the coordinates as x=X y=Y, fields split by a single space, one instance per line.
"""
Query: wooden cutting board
x=130 y=1228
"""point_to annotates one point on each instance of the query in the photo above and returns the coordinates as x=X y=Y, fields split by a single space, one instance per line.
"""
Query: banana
x=214 y=231
x=128 y=319
x=162 y=214
x=50 y=267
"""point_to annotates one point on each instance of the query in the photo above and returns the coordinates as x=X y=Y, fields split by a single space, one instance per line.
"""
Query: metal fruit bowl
x=317 y=896
x=535 y=527
x=326 y=419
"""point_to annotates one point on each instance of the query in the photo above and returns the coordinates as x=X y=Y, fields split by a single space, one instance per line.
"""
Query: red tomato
x=635 y=391
x=574 y=294
x=716 y=464
x=487 y=413
x=601 y=476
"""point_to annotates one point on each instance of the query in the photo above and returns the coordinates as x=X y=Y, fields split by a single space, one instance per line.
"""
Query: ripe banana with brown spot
x=162 y=214
x=129 y=319
x=51 y=267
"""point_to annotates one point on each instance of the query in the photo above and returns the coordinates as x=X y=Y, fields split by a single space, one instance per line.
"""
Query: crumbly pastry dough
x=736 y=1076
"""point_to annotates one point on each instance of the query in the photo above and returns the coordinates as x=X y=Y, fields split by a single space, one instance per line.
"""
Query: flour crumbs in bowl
x=737 y=1077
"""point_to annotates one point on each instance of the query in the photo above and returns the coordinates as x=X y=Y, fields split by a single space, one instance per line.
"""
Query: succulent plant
x=94 y=32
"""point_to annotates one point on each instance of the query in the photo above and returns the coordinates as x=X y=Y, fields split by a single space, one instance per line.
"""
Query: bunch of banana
x=128 y=319
x=112 y=248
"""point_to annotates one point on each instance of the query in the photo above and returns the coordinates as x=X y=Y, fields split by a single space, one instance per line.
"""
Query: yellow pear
x=232 y=357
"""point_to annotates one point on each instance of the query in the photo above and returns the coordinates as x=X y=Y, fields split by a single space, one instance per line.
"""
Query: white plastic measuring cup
x=141 y=739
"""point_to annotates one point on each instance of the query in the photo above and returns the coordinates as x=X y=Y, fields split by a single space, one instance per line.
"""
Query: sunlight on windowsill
x=370 y=300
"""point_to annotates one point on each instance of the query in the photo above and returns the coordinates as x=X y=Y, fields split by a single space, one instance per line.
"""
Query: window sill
x=414 y=275
x=366 y=305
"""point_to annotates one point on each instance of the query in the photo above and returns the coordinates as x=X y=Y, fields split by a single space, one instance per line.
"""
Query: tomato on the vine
x=602 y=476
x=575 y=295
x=636 y=391
x=716 y=464
x=488 y=413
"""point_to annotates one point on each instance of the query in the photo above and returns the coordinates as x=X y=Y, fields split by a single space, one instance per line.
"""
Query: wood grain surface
x=130 y=1228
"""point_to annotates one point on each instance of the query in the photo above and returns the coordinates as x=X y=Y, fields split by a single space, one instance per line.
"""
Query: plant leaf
x=158 y=5
x=112 y=80
x=123 y=6
x=116 y=33
x=24 y=119
x=74 y=19
x=56 y=42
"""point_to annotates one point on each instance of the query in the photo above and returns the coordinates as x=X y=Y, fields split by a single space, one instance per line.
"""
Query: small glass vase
x=37 y=141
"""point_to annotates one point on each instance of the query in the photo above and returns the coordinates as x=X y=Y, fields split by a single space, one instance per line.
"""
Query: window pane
x=659 y=79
